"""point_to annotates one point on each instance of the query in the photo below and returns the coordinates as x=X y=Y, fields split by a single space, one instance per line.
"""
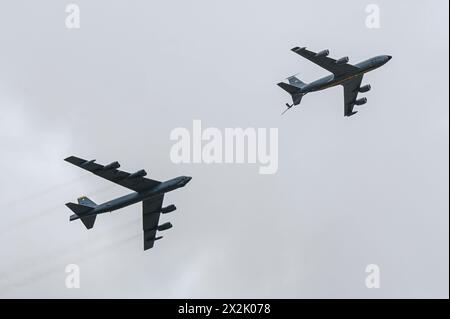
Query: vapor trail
x=48 y=211
x=51 y=270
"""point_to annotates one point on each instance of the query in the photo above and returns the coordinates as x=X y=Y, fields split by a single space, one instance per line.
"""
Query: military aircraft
x=349 y=76
x=148 y=191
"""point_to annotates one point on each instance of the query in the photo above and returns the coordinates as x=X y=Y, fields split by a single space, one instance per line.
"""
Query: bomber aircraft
x=348 y=75
x=148 y=191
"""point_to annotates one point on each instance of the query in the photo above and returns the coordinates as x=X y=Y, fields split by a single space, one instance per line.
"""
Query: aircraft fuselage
x=331 y=80
x=136 y=197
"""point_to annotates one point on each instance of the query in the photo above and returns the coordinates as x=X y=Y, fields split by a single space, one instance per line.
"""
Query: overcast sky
x=369 y=189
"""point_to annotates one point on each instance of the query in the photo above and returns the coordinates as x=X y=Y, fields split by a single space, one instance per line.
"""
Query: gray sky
x=370 y=189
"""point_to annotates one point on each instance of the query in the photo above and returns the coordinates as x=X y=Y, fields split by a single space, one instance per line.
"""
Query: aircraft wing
x=151 y=210
x=135 y=181
x=351 y=93
x=337 y=67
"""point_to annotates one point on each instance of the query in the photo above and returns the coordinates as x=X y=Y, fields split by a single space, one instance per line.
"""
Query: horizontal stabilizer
x=292 y=90
x=79 y=209
x=88 y=221
x=80 y=212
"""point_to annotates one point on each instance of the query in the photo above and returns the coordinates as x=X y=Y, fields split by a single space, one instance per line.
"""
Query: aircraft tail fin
x=81 y=212
x=86 y=202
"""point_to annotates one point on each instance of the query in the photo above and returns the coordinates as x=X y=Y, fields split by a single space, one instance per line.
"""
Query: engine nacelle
x=164 y=226
x=364 y=89
x=168 y=209
x=342 y=60
x=113 y=165
x=361 y=101
x=88 y=162
x=137 y=174
x=323 y=53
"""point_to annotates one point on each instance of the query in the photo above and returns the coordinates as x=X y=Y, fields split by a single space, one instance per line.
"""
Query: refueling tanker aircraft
x=148 y=191
x=349 y=76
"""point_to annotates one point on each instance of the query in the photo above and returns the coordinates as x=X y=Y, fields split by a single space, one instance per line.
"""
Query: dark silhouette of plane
x=148 y=191
x=349 y=76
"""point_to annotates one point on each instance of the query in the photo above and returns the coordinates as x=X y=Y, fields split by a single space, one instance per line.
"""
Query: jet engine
x=342 y=60
x=137 y=174
x=323 y=53
x=365 y=88
x=164 y=226
x=361 y=101
x=168 y=209
x=113 y=165
x=88 y=162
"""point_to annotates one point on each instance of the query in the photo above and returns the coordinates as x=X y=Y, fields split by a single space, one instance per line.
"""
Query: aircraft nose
x=185 y=180
x=389 y=57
